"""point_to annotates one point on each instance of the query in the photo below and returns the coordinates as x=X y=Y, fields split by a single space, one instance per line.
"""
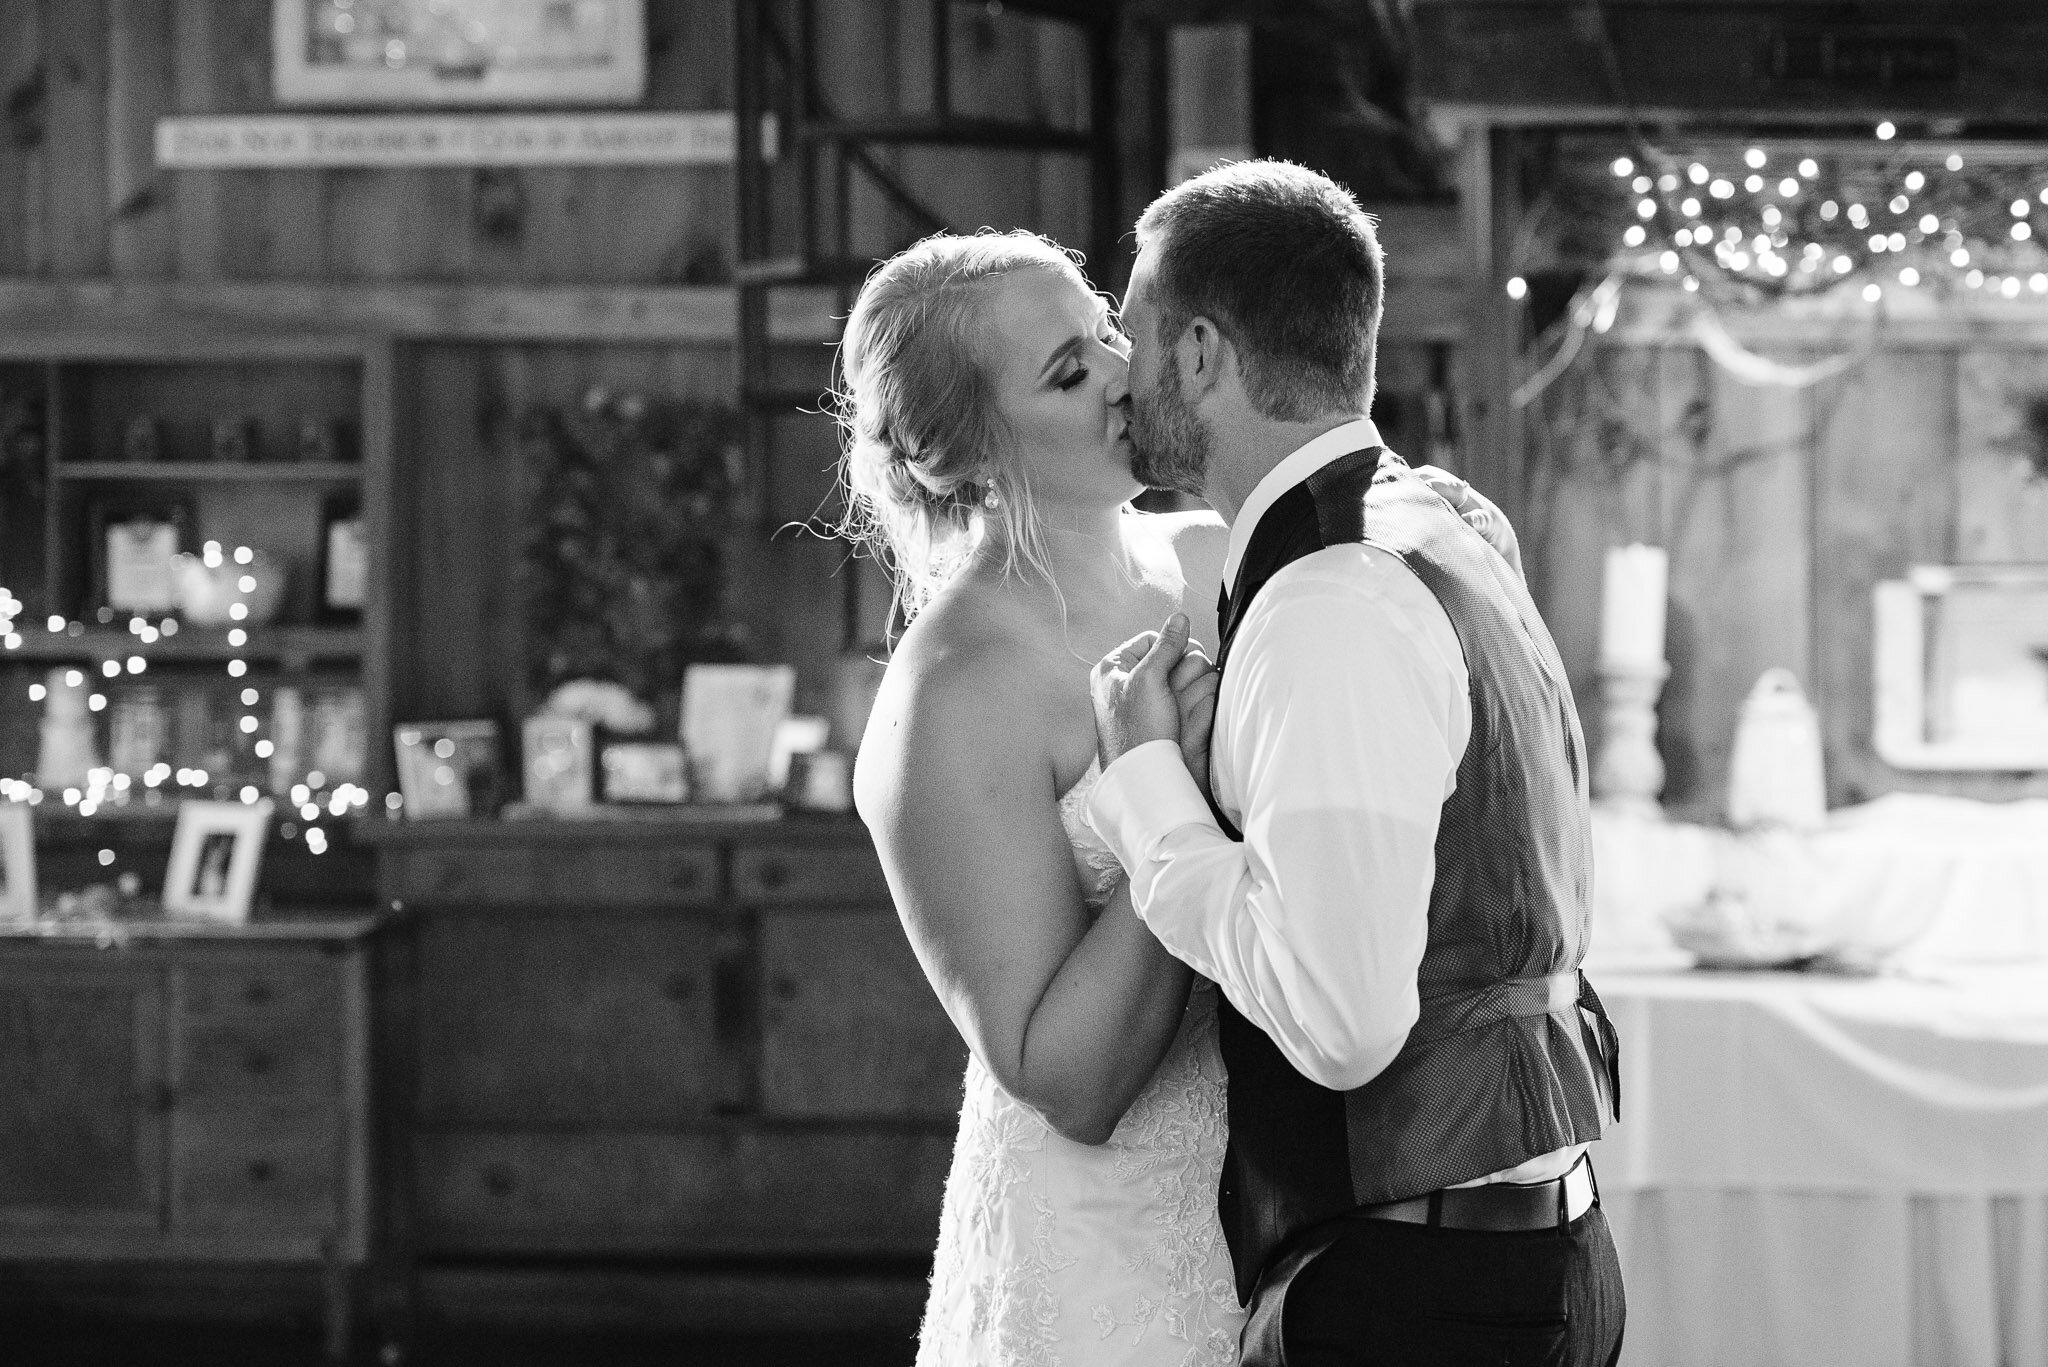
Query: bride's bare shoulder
x=960 y=678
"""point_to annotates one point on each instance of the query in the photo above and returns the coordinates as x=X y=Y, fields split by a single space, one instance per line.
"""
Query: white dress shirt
x=1313 y=925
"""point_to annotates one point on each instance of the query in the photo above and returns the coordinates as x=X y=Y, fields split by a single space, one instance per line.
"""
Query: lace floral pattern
x=1056 y=1254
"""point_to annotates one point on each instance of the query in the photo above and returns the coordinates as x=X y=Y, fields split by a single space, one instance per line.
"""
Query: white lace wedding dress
x=1057 y=1254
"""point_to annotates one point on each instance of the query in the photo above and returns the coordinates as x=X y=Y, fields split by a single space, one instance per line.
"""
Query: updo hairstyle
x=923 y=445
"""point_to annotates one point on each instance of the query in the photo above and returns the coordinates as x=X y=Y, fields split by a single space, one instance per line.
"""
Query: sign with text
x=662 y=139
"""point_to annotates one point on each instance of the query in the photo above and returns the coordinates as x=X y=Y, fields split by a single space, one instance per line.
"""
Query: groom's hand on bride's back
x=1478 y=511
x=1133 y=689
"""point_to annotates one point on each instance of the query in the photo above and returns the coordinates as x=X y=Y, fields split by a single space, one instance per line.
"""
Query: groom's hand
x=1478 y=511
x=1195 y=682
x=1133 y=691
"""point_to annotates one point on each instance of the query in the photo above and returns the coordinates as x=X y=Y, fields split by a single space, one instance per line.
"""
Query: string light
x=1886 y=131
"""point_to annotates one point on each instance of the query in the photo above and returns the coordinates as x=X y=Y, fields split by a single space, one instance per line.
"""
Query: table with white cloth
x=1812 y=1168
x=1817 y=1170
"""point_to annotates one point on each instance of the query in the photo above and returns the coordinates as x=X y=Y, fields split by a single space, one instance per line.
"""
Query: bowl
x=207 y=594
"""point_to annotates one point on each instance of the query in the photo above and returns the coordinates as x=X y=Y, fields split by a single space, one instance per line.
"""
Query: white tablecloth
x=1814 y=1171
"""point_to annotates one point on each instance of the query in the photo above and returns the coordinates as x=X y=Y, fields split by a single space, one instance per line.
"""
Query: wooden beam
x=680 y=315
x=1490 y=199
x=1512 y=61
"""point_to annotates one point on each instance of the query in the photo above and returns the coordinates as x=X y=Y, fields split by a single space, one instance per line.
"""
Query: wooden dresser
x=669 y=1069
x=178 y=1092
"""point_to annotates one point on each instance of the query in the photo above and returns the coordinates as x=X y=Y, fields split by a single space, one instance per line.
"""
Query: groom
x=1390 y=879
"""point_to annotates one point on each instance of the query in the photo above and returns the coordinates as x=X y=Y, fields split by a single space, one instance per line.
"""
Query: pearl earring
x=989 y=499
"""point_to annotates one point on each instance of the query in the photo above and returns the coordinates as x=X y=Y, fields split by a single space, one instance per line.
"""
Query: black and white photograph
x=1024 y=683
x=216 y=852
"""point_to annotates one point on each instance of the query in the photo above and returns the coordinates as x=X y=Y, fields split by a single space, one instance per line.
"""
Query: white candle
x=1632 y=607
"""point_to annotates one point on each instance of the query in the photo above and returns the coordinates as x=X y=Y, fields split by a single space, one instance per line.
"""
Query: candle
x=1632 y=607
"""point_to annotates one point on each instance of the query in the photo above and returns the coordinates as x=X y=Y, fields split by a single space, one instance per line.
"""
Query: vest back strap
x=1454 y=1013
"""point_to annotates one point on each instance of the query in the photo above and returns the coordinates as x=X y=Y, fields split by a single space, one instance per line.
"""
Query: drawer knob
x=256 y=994
x=498 y=1180
x=773 y=874
x=262 y=1170
x=785 y=989
x=258 y=1062
x=683 y=877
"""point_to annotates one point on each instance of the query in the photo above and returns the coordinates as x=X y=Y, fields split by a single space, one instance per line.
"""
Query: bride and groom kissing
x=1262 y=927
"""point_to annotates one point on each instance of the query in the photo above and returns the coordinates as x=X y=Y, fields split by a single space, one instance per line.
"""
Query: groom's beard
x=1170 y=444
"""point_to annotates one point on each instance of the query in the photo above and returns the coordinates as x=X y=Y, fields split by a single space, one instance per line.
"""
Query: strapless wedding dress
x=1057 y=1254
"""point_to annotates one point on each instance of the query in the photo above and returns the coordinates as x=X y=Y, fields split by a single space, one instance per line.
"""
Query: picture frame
x=1960 y=665
x=132 y=542
x=480 y=52
x=448 y=770
x=216 y=852
x=17 y=862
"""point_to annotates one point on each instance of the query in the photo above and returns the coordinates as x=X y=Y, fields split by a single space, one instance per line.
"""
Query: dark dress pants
x=1387 y=1294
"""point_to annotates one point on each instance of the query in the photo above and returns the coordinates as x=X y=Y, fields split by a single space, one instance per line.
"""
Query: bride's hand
x=1478 y=511
x=1194 y=682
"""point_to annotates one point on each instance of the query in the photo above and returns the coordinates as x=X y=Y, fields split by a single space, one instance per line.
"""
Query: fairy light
x=1753 y=183
x=1788 y=188
x=1623 y=167
x=1887 y=130
x=1754 y=158
x=1518 y=288
x=1909 y=277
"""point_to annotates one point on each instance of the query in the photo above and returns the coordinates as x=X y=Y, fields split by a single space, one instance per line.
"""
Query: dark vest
x=1512 y=1056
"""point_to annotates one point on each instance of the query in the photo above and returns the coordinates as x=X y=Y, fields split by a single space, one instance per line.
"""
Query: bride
x=984 y=407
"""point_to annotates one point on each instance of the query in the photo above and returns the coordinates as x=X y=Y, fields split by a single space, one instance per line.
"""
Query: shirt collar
x=1303 y=461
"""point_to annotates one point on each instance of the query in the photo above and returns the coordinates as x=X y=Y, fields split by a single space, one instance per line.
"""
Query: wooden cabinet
x=189 y=1093
x=668 y=1041
x=265 y=452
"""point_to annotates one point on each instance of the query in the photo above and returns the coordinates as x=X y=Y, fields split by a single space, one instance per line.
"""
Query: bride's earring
x=989 y=499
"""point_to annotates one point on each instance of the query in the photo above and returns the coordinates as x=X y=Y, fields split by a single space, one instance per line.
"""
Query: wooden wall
x=1780 y=508
x=82 y=83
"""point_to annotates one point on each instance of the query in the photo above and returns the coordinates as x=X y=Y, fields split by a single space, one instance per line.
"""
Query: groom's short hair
x=1287 y=264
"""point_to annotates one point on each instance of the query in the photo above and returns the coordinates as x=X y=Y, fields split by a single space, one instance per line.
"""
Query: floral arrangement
x=625 y=556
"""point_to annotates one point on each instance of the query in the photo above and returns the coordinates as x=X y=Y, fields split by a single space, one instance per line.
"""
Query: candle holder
x=1628 y=773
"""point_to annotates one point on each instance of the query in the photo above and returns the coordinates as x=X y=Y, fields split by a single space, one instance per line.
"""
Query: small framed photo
x=448 y=769
x=216 y=851
x=17 y=863
x=645 y=771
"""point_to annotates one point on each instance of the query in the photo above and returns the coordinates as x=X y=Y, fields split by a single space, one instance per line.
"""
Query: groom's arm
x=1343 y=716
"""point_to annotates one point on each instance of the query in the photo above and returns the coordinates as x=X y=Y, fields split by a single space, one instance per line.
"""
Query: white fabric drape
x=1814 y=1171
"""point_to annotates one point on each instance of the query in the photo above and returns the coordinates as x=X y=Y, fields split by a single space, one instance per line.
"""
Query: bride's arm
x=1071 y=1016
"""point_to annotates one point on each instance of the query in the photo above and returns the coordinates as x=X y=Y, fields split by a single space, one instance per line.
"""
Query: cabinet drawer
x=275 y=1167
x=603 y=877
x=729 y=1193
x=636 y=877
x=488 y=876
x=609 y=1019
x=850 y=1028
x=231 y=1056
x=774 y=875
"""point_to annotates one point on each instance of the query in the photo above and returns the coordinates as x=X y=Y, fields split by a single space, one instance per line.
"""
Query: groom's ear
x=1201 y=355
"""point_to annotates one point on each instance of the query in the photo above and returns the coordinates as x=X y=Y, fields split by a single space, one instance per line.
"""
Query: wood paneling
x=1781 y=508
x=81 y=1056
x=569 y=1018
x=732 y=1192
x=1885 y=489
x=850 y=1027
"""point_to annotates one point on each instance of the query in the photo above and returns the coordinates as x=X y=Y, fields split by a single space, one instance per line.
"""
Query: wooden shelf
x=192 y=645
x=325 y=472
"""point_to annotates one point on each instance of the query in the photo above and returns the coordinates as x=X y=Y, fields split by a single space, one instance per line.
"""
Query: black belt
x=1500 y=1207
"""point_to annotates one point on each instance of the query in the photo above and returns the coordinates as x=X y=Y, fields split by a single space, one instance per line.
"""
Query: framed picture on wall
x=458 y=52
x=216 y=851
x=17 y=863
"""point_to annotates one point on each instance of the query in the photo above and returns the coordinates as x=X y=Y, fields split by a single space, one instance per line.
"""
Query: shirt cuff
x=1143 y=797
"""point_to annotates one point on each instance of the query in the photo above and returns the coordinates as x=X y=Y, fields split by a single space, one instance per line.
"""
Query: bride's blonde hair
x=923 y=446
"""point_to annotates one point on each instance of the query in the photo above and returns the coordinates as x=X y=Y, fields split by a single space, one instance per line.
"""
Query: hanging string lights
x=1778 y=220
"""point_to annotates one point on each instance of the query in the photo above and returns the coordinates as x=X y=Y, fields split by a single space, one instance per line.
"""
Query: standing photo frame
x=17 y=862
x=216 y=851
